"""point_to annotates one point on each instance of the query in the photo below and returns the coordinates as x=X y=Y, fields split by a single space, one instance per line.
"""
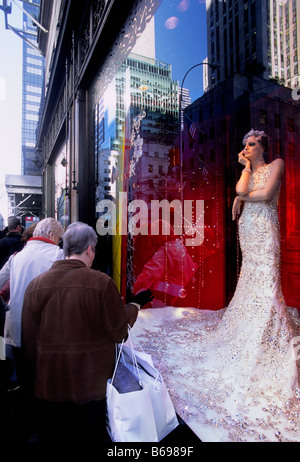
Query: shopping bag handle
x=133 y=357
x=130 y=335
x=117 y=360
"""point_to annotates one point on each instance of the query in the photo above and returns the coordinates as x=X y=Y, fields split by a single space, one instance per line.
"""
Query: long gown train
x=233 y=374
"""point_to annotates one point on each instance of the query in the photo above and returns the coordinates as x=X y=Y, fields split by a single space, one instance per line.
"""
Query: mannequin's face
x=253 y=150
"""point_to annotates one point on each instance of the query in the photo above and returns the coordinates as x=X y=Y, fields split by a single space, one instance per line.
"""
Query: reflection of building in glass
x=136 y=126
x=155 y=92
x=142 y=84
x=260 y=37
x=106 y=144
x=283 y=41
x=33 y=75
x=141 y=103
x=185 y=100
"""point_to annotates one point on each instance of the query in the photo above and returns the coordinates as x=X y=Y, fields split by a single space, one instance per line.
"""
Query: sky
x=10 y=103
x=180 y=40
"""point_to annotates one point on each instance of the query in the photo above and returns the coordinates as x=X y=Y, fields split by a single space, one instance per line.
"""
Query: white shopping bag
x=163 y=409
x=130 y=415
x=138 y=402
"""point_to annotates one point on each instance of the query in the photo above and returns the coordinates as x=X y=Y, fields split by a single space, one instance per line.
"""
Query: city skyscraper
x=256 y=36
x=32 y=84
x=145 y=89
x=284 y=41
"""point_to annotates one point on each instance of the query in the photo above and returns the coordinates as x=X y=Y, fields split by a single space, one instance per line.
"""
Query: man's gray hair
x=78 y=237
x=45 y=226
x=261 y=137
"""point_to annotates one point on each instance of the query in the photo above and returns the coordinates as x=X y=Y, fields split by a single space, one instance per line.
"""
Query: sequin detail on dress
x=233 y=374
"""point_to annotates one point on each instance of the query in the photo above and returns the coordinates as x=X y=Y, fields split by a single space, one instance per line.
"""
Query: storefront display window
x=171 y=108
x=161 y=207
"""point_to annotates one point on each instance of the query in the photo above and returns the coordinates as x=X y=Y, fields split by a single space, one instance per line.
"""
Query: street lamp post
x=213 y=66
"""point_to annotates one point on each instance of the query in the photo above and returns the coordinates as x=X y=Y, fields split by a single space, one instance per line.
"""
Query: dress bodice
x=259 y=180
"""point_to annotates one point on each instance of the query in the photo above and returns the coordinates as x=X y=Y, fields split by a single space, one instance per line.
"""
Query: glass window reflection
x=149 y=154
x=142 y=177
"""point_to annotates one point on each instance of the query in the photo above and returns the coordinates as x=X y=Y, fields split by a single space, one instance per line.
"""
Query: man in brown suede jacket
x=71 y=319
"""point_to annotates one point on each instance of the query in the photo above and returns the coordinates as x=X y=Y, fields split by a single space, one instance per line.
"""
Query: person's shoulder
x=278 y=165
x=89 y=278
x=11 y=240
x=47 y=247
x=13 y=235
x=6 y=239
x=278 y=162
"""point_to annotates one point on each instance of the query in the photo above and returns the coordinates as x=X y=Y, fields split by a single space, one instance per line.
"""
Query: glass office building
x=145 y=86
x=33 y=77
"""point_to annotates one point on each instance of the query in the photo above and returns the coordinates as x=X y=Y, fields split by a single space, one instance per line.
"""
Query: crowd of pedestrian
x=60 y=320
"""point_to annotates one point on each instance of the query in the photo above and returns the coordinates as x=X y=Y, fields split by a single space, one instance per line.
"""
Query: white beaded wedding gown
x=233 y=373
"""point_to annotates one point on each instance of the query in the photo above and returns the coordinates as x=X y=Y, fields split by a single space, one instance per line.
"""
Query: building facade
x=32 y=86
x=260 y=37
x=24 y=197
x=283 y=41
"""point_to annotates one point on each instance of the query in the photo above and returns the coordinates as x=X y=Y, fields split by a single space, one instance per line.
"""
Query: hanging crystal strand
x=166 y=272
x=194 y=278
x=166 y=256
x=237 y=251
x=135 y=154
x=200 y=266
x=182 y=291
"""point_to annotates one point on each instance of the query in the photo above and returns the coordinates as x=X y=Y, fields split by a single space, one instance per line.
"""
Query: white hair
x=44 y=228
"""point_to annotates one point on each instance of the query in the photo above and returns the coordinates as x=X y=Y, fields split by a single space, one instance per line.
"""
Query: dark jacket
x=69 y=344
x=10 y=244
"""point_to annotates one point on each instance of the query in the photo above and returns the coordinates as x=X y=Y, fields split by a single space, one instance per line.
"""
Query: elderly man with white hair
x=40 y=252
